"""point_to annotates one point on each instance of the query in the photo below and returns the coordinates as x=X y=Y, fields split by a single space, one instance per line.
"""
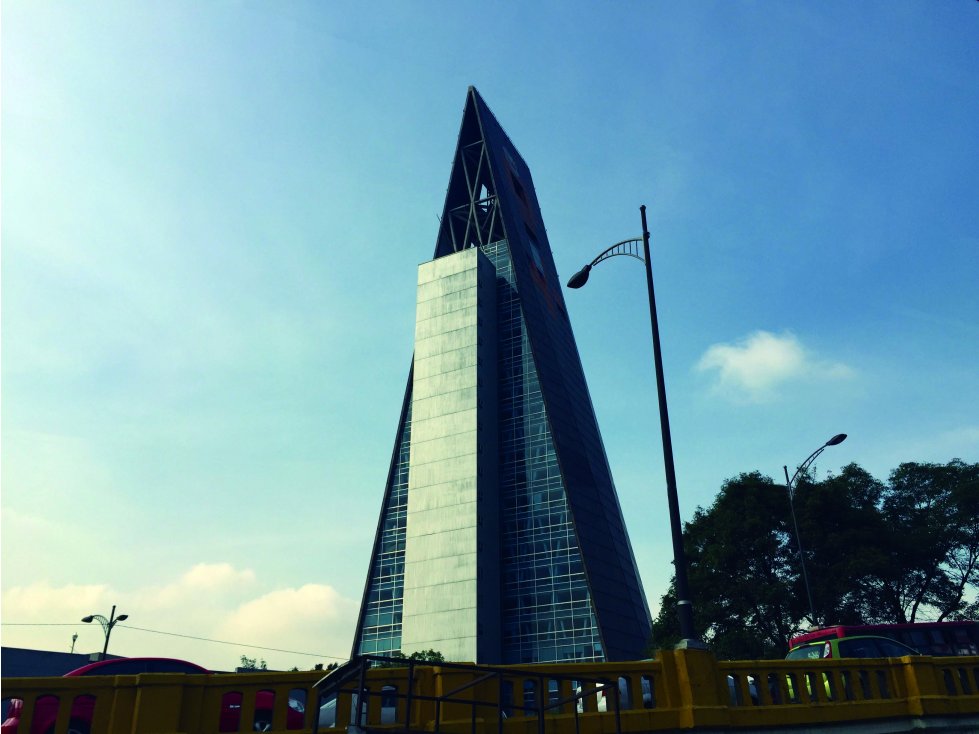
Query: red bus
x=928 y=638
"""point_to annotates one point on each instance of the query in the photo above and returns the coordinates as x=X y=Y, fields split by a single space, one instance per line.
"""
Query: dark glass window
x=544 y=581
x=381 y=631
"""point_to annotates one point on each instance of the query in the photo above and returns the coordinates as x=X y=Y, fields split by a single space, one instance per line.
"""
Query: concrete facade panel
x=442 y=520
x=442 y=471
x=442 y=549
x=448 y=304
x=443 y=286
x=444 y=325
x=452 y=423
x=445 y=383
x=449 y=542
x=434 y=346
x=435 y=407
x=453 y=359
x=458 y=571
x=441 y=270
x=444 y=497
x=451 y=632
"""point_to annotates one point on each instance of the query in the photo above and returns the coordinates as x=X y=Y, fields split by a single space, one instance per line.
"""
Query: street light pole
x=107 y=625
x=689 y=638
x=790 y=489
x=683 y=602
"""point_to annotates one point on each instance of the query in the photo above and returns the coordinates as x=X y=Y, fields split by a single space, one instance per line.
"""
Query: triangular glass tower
x=501 y=539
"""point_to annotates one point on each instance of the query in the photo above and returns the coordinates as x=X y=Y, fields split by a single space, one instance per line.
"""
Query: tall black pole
x=790 y=485
x=108 y=631
x=684 y=605
x=798 y=540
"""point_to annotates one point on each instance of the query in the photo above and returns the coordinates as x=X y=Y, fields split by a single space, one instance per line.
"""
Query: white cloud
x=213 y=580
x=47 y=604
x=313 y=617
x=214 y=601
x=752 y=368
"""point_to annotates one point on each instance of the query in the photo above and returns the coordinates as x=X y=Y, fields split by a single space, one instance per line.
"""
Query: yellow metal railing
x=682 y=689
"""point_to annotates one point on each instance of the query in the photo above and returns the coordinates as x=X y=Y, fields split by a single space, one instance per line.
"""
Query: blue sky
x=212 y=215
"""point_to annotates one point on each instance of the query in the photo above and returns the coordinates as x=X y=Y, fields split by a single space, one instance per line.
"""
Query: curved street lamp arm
x=834 y=441
x=631 y=247
x=805 y=464
x=102 y=621
x=628 y=247
x=107 y=625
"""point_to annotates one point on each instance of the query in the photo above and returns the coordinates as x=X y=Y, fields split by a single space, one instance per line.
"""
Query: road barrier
x=679 y=690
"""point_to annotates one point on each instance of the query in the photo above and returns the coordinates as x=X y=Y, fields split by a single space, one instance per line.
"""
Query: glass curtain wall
x=381 y=632
x=547 y=610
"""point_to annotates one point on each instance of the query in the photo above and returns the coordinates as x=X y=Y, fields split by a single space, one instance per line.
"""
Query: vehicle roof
x=853 y=630
x=809 y=643
x=820 y=643
x=96 y=667
x=851 y=638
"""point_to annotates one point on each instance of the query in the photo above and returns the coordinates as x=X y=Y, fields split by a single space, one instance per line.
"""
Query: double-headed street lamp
x=684 y=605
x=107 y=625
x=790 y=489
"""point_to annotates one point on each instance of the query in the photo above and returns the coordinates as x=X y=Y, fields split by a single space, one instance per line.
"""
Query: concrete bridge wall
x=679 y=691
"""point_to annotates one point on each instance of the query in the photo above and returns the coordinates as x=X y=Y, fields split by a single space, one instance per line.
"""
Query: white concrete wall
x=453 y=455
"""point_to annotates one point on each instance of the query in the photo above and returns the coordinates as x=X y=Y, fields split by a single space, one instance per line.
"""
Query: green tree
x=962 y=561
x=933 y=513
x=841 y=526
x=248 y=663
x=899 y=551
x=426 y=656
x=741 y=570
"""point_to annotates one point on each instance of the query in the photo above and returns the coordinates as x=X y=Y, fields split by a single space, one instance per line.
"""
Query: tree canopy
x=248 y=664
x=424 y=656
x=904 y=550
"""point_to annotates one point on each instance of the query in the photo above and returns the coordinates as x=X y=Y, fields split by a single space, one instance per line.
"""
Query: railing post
x=159 y=702
x=499 y=703
x=437 y=683
x=618 y=706
x=408 y=695
x=361 y=708
x=698 y=679
x=926 y=694
x=541 y=692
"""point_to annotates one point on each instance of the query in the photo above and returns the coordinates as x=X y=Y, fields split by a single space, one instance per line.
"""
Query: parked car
x=860 y=646
x=83 y=707
x=960 y=637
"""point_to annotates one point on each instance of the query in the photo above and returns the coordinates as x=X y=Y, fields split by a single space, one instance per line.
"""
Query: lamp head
x=580 y=278
x=837 y=439
x=88 y=619
x=122 y=617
